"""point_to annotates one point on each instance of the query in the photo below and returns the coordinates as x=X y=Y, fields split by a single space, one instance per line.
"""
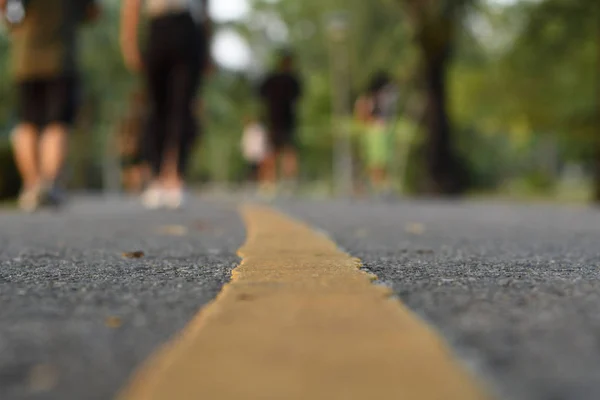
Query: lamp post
x=337 y=29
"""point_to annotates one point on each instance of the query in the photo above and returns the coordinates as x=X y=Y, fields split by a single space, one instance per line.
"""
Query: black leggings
x=173 y=62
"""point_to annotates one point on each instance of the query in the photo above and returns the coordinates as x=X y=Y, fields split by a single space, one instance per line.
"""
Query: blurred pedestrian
x=172 y=66
x=376 y=109
x=44 y=37
x=255 y=147
x=280 y=93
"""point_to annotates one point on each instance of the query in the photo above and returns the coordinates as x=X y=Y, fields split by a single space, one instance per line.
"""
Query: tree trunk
x=444 y=171
x=435 y=24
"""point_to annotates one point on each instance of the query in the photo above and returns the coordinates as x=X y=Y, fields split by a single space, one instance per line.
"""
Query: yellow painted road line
x=299 y=320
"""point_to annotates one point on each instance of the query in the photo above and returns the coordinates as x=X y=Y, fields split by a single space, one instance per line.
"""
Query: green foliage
x=6 y=87
x=553 y=67
x=528 y=71
x=517 y=74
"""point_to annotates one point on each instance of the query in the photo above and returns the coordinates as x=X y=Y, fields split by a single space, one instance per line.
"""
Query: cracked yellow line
x=299 y=320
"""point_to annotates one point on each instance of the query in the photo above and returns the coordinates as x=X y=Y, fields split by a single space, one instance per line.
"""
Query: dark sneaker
x=52 y=196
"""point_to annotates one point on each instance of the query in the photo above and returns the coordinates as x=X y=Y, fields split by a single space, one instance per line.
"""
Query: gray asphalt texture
x=76 y=317
x=514 y=289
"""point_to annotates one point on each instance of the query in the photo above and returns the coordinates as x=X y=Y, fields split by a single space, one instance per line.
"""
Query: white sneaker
x=152 y=198
x=174 y=199
x=30 y=199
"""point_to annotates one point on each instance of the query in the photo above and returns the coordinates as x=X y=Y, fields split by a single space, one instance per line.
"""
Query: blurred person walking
x=255 y=148
x=280 y=92
x=376 y=109
x=175 y=57
x=44 y=37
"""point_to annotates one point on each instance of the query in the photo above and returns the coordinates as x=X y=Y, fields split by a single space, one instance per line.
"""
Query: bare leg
x=137 y=178
x=53 y=148
x=290 y=164
x=132 y=179
x=378 y=178
x=172 y=179
x=25 y=148
x=268 y=169
x=169 y=176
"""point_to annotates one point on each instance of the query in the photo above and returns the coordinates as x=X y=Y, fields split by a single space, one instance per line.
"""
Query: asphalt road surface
x=513 y=289
x=76 y=316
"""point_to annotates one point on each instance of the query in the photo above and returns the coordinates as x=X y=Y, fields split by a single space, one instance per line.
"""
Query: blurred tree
x=435 y=24
x=499 y=82
x=551 y=73
x=381 y=39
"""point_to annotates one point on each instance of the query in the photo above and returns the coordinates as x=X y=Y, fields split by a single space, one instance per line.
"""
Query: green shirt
x=44 y=44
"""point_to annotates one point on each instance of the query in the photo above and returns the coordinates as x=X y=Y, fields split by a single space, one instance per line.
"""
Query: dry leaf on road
x=113 y=322
x=173 y=230
x=43 y=378
x=415 y=228
x=134 y=254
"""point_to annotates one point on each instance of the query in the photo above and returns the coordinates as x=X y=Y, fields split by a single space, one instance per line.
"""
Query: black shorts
x=282 y=137
x=48 y=101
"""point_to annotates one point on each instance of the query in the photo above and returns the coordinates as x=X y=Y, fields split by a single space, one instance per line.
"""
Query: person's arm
x=207 y=26
x=130 y=19
x=205 y=15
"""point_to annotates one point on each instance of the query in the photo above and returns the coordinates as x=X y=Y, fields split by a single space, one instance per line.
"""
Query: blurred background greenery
x=498 y=97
